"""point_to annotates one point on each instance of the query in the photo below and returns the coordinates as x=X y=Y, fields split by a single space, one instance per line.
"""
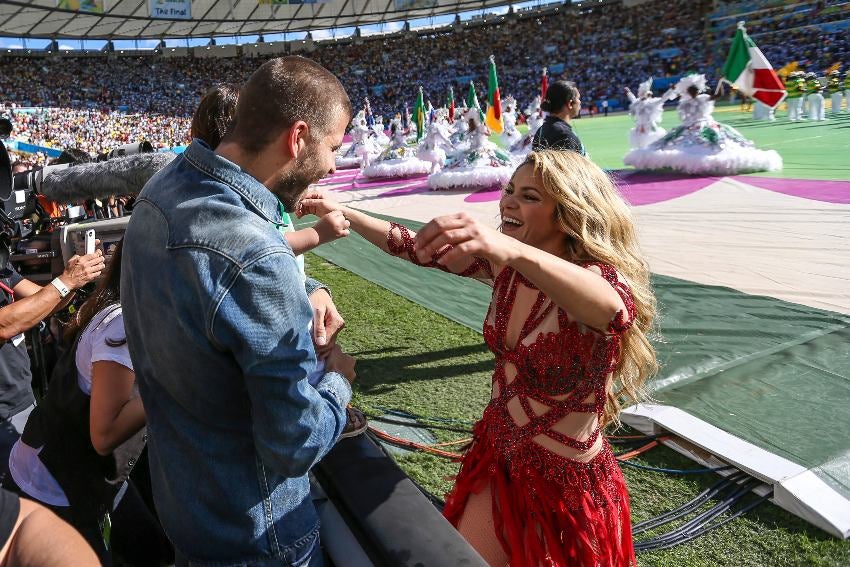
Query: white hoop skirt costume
x=398 y=161
x=701 y=145
x=479 y=166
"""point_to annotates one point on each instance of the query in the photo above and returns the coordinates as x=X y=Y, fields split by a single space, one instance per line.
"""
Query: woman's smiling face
x=528 y=212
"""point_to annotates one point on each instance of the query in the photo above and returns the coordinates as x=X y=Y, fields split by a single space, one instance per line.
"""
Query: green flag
x=472 y=100
x=419 y=114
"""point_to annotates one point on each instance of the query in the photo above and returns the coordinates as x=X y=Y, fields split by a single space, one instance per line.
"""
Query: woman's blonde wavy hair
x=599 y=227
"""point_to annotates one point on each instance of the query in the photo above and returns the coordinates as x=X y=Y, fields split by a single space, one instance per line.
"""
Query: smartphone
x=90 y=241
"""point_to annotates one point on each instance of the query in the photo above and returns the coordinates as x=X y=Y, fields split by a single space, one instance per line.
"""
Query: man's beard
x=292 y=184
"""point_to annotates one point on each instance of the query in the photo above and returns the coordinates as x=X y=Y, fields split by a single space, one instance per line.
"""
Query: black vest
x=60 y=426
x=15 y=374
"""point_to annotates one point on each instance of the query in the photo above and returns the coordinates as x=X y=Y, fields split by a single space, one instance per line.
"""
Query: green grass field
x=411 y=359
x=810 y=150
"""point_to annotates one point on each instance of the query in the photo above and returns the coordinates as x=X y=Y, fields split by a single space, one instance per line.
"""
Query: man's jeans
x=310 y=556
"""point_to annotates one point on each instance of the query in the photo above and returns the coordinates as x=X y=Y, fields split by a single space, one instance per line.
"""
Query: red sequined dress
x=548 y=509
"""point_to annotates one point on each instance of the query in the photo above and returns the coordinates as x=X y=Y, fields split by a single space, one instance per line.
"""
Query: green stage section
x=773 y=373
x=810 y=150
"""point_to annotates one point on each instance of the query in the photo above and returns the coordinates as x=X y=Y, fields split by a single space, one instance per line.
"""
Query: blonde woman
x=568 y=326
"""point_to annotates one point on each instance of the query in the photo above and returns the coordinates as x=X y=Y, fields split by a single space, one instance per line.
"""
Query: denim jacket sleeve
x=262 y=320
x=312 y=285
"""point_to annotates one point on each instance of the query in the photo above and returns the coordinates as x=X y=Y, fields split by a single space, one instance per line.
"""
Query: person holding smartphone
x=23 y=304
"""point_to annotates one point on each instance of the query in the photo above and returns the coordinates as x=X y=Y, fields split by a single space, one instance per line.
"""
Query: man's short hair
x=282 y=92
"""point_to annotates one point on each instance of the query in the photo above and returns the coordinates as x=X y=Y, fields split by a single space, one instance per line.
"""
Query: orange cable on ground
x=433 y=449
x=413 y=445
x=448 y=443
x=639 y=450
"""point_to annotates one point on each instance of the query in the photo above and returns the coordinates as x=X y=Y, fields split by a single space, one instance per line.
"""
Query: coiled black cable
x=706 y=528
x=698 y=524
x=689 y=506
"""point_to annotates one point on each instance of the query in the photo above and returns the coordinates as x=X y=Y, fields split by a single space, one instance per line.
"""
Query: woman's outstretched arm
x=394 y=239
x=584 y=293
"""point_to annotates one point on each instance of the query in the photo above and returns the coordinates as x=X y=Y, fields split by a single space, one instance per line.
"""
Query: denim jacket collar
x=263 y=201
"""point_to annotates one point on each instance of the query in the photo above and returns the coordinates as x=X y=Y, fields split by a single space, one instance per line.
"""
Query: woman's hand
x=468 y=238
x=315 y=202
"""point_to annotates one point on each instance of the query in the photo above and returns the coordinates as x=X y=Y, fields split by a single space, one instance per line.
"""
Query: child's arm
x=329 y=227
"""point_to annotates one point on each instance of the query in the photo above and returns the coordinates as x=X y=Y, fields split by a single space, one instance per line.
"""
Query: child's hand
x=332 y=226
x=317 y=203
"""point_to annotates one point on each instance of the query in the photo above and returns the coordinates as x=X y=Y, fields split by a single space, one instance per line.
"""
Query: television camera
x=38 y=245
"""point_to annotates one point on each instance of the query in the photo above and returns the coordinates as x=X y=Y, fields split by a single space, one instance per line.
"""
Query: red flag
x=544 y=85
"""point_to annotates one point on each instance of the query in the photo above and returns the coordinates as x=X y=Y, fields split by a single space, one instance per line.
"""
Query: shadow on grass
x=378 y=373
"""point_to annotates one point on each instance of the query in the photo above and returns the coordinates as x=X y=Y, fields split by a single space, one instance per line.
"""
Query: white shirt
x=26 y=468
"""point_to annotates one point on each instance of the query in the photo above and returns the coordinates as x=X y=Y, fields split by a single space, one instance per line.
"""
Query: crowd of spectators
x=600 y=48
x=97 y=103
x=97 y=131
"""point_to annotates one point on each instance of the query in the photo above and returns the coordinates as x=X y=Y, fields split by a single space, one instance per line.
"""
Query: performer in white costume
x=836 y=91
x=481 y=165
x=535 y=120
x=795 y=86
x=399 y=160
x=369 y=149
x=510 y=135
x=647 y=110
x=814 y=100
x=350 y=158
x=434 y=145
x=701 y=145
x=380 y=134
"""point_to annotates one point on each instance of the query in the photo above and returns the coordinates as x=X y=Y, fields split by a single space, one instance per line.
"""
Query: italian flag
x=451 y=104
x=748 y=70
x=419 y=114
x=494 y=101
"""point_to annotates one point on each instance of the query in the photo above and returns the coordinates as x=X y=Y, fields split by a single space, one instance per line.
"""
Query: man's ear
x=296 y=138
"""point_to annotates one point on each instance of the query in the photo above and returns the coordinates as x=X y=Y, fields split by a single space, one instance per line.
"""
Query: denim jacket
x=217 y=318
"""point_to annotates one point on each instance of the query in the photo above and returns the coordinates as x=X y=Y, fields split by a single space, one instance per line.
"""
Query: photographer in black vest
x=23 y=304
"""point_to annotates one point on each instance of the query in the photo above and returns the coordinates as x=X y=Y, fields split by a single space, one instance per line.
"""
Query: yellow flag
x=833 y=67
x=788 y=69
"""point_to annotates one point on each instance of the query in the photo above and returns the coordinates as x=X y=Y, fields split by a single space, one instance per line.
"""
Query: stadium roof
x=131 y=19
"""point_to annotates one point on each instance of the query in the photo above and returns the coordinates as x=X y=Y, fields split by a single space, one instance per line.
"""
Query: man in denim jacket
x=217 y=324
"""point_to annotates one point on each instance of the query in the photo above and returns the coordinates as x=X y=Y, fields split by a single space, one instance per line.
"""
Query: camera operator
x=23 y=304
